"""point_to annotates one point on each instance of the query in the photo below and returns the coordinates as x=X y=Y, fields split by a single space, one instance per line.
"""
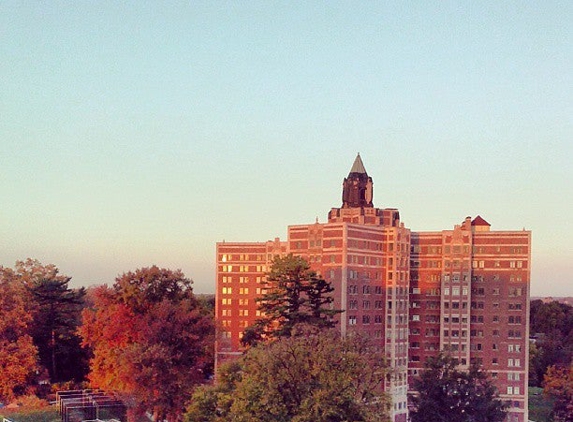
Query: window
x=351 y=320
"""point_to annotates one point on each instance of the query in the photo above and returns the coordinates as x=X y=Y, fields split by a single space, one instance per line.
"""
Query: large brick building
x=465 y=290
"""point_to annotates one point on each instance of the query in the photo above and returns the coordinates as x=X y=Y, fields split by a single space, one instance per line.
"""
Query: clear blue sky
x=139 y=133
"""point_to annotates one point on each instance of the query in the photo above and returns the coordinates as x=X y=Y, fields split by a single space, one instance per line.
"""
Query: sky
x=136 y=133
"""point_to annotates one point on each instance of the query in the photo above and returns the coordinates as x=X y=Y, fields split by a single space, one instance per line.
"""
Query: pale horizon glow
x=141 y=133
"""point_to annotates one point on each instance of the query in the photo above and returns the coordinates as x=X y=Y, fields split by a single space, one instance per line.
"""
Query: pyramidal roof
x=478 y=221
x=358 y=166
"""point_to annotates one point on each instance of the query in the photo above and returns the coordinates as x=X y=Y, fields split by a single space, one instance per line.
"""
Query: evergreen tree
x=294 y=295
x=57 y=317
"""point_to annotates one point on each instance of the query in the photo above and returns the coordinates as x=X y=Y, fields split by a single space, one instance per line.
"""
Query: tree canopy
x=449 y=394
x=151 y=340
x=56 y=311
x=294 y=295
x=552 y=325
x=18 y=354
x=313 y=376
x=558 y=383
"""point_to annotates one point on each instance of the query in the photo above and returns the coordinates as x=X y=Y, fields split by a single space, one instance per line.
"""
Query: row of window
x=353 y=304
x=474 y=319
x=229 y=301
x=456 y=249
x=244 y=268
x=435 y=332
x=242 y=279
x=352 y=319
x=242 y=312
x=241 y=257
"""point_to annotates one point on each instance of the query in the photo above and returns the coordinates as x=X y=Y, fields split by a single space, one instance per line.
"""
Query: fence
x=89 y=405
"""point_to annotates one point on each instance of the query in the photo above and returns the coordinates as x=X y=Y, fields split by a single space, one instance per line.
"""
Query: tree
x=56 y=311
x=18 y=355
x=313 y=376
x=152 y=341
x=447 y=393
x=552 y=325
x=295 y=294
x=558 y=383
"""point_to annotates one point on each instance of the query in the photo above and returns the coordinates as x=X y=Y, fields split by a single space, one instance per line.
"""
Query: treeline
x=147 y=337
x=551 y=330
x=150 y=339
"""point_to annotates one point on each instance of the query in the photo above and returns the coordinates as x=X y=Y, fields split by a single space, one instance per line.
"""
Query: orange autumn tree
x=18 y=355
x=558 y=383
x=151 y=341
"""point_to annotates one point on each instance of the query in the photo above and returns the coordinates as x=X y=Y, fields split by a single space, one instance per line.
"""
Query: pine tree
x=294 y=295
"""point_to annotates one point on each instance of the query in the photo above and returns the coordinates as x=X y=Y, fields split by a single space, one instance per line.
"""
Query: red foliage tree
x=151 y=340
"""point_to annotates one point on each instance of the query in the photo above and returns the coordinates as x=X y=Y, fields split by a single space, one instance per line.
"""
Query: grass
x=37 y=415
x=540 y=406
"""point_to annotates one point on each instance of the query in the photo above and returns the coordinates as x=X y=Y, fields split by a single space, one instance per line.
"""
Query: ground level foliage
x=558 y=384
x=312 y=376
x=551 y=324
x=447 y=393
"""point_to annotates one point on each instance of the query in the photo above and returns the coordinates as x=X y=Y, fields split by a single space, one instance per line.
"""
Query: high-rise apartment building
x=464 y=290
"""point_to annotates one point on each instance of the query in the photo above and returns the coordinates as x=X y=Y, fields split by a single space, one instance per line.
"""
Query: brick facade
x=464 y=290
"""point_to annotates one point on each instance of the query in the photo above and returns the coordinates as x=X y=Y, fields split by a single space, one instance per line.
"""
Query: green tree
x=212 y=402
x=18 y=355
x=558 y=383
x=552 y=325
x=295 y=294
x=447 y=393
x=313 y=376
x=152 y=341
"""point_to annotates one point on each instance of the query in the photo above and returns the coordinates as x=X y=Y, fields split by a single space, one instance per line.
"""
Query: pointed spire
x=358 y=166
x=357 y=187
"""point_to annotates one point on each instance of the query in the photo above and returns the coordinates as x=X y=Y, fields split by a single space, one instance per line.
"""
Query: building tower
x=357 y=187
